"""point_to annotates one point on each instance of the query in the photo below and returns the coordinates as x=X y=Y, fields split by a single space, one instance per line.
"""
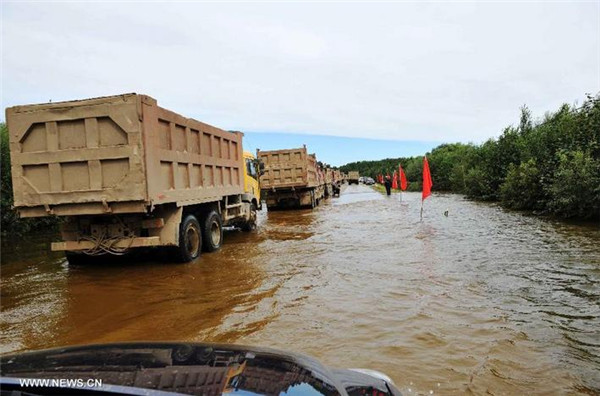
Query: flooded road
x=481 y=301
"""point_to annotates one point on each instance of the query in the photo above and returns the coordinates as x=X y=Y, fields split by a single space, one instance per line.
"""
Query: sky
x=336 y=150
x=352 y=80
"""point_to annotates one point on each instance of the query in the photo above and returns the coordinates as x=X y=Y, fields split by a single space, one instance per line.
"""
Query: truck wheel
x=313 y=200
x=190 y=239
x=250 y=225
x=212 y=231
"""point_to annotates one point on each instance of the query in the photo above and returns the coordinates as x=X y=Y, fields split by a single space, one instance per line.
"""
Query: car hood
x=192 y=368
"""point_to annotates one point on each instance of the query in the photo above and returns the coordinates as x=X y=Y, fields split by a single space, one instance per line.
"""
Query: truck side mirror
x=261 y=167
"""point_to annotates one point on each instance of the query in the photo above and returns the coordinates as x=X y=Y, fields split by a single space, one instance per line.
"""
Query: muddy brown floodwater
x=481 y=301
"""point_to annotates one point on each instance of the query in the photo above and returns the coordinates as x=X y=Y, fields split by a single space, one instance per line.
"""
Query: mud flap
x=169 y=233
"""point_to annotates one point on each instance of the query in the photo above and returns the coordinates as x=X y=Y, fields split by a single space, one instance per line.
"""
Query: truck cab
x=252 y=172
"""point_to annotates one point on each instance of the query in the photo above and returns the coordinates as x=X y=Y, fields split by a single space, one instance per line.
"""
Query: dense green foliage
x=550 y=166
x=11 y=223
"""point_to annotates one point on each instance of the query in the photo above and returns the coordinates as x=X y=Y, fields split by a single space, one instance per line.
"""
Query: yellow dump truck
x=353 y=177
x=291 y=178
x=126 y=173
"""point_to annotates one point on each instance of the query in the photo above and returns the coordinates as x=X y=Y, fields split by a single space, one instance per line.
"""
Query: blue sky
x=335 y=150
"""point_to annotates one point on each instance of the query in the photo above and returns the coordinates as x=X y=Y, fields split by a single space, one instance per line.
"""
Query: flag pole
x=422 y=210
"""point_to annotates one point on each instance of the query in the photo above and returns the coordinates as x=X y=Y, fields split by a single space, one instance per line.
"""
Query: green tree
x=478 y=186
x=449 y=164
x=522 y=188
x=575 y=189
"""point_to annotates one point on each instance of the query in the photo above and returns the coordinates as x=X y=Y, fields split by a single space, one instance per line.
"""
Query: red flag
x=403 y=182
x=395 y=181
x=427 y=182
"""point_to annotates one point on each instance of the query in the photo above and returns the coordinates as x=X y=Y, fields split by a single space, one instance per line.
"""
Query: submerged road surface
x=483 y=300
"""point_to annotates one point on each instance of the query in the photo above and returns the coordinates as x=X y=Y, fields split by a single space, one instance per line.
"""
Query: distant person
x=388 y=185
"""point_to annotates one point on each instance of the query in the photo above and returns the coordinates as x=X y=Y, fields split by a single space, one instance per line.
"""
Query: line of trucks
x=125 y=173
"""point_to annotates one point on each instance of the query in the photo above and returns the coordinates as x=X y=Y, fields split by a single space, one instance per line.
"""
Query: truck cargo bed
x=284 y=169
x=117 y=154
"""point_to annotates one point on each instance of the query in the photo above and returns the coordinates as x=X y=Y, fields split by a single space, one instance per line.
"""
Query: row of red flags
x=399 y=179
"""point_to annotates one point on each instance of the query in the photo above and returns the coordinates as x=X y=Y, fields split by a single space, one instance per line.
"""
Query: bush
x=521 y=188
x=478 y=186
x=575 y=188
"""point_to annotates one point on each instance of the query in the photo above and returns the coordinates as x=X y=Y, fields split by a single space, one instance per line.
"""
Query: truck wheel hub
x=215 y=233
x=192 y=240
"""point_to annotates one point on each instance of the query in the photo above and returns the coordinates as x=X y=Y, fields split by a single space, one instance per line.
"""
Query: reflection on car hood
x=193 y=368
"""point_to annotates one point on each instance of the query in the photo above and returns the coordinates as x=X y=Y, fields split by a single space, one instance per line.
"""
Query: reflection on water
x=186 y=368
x=483 y=300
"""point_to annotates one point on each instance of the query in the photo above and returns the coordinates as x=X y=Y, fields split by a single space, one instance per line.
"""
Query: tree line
x=548 y=166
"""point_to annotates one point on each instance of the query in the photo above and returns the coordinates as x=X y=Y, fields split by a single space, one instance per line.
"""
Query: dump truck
x=337 y=182
x=337 y=175
x=291 y=178
x=333 y=181
x=328 y=187
x=353 y=177
x=126 y=173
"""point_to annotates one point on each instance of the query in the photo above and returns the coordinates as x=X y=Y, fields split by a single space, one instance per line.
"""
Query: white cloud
x=418 y=71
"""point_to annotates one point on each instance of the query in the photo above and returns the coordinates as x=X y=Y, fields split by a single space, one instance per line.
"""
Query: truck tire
x=250 y=225
x=190 y=240
x=212 y=231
